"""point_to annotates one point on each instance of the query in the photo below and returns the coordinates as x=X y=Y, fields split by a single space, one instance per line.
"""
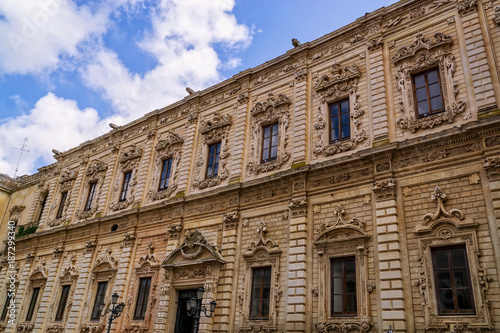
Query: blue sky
x=70 y=67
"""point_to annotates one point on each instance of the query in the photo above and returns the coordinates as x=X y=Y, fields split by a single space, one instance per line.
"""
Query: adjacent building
x=349 y=185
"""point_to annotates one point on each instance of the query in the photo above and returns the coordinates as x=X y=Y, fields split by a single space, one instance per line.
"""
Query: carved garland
x=213 y=131
x=129 y=161
x=170 y=147
x=66 y=181
x=96 y=172
x=273 y=109
x=425 y=53
x=443 y=228
x=341 y=82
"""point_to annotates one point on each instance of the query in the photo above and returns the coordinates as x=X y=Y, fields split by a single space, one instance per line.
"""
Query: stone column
x=300 y=119
x=80 y=297
x=164 y=301
x=389 y=257
x=296 y=262
x=224 y=320
x=492 y=182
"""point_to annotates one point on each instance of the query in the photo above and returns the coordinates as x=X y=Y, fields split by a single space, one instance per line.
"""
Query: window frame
x=260 y=300
x=218 y=145
x=90 y=196
x=141 y=305
x=414 y=90
x=41 y=206
x=30 y=311
x=94 y=313
x=344 y=312
x=456 y=310
x=338 y=103
x=60 y=209
x=164 y=181
x=127 y=178
x=269 y=156
x=5 y=309
x=62 y=302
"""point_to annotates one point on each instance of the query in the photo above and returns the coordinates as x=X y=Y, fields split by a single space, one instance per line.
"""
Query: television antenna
x=22 y=149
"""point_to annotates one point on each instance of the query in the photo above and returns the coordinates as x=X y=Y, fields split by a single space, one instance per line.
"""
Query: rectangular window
x=453 y=287
x=90 y=196
x=269 y=142
x=261 y=293
x=99 y=297
x=125 y=186
x=31 y=308
x=61 y=205
x=42 y=207
x=340 y=128
x=62 y=303
x=165 y=174
x=427 y=92
x=213 y=160
x=343 y=284
x=5 y=307
x=142 y=298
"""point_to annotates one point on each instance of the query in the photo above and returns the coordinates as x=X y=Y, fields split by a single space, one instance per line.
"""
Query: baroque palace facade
x=349 y=185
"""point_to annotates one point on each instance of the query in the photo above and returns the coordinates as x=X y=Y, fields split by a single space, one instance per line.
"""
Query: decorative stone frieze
x=174 y=230
x=128 y=239
x=342 y=82
x=92 y=328
x=385 y=189
x=492 y=167
x=273 y=109
x=342 y=327
x=213 y=131
x=496 y=19
x=422 y=54
x=230 y=220
x=169 y=147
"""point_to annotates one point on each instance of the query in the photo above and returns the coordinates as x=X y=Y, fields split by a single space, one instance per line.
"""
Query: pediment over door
x=195 y=250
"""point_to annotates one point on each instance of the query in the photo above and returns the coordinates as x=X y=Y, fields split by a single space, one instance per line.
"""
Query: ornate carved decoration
x=195 y=246
x=89 y=246
x=128 y=239
x=441 y=211
x=55 y=328
x=230 y=220
x=385 y=189
x=300 y=75
x=262 y=242
x=69 y=273
x=273 y=109
x=425 y=53
x=474 y=178
x=258 y=329
x=129 y=161
x=435 y=155
x=57 y=251
x=15 y=213
x=96 y=172
x=170 y=147
x=149 y=257
x=467 y=7
x=343 y=327
x=174 y=230
x=213 y=131
x=492 y=166
x=243 y=98
x=298 y=206
x=105 y=262
x=91 y=328
x=343 y=81
x=496 y=19
x=339 y=212
x=25 y=327
x=66 y=181
x=375 y=44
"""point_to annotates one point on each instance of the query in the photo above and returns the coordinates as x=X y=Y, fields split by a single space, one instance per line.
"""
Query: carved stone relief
x=341 y=82
x=96 y=172
x=298 y=206
x=230 y=220
x=385 y=189
x=169 y=147
x=492 y=166
x=213 y=131
x=66 y=182
x=422 y=54
x=273 y=109
x=466 y=7
x=128 y=161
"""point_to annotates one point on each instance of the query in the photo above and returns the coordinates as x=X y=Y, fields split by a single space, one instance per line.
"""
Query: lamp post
x=116 y=310
x=194 y=308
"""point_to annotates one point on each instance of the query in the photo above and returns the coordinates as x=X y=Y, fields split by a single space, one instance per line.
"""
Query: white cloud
x=183 y=40
x=34 y=34
x=54 y=123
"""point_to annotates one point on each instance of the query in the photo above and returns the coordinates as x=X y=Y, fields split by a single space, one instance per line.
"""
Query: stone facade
x=397 y=189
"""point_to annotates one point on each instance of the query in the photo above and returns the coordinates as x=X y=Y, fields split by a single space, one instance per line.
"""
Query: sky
x=68 y=68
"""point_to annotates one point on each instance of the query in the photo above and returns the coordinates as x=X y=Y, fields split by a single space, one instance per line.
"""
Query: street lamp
x=116 y=310
x=194 y=307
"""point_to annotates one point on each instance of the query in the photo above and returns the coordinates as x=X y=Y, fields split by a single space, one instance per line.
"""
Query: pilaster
x=300 y=117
